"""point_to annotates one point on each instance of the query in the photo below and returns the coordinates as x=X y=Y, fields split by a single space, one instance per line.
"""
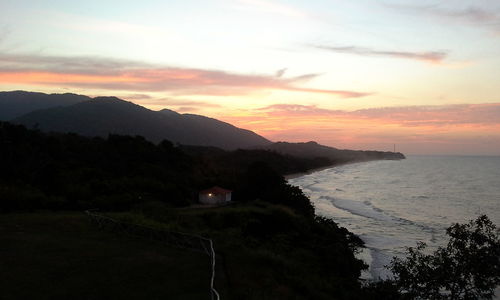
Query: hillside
x=61 y=256
x=269 y=244
x=68 y=171
x=17 y=103
x=311 y=150
x=101 y=116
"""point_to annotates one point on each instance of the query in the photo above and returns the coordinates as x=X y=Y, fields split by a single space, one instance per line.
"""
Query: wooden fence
x=175 y=239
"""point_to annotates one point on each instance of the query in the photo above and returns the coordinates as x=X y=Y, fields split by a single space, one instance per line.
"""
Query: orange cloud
x=53 y=78
x=100 y=73
x=462 y=129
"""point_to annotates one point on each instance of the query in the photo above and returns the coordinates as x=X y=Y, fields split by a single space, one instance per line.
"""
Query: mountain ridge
x=311 y=150
x=14 y=104
x=101 y=116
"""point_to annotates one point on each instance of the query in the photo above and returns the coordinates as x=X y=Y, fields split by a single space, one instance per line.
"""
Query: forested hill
x=270 y=230
x=101 y=116
x=68 y=171
x=336 y=156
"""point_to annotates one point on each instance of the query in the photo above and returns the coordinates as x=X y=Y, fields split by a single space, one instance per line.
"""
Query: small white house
x=215 y=195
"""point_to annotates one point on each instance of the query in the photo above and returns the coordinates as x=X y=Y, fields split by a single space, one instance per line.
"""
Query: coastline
x=314 y=170
x=295 y=175
x=370 y=255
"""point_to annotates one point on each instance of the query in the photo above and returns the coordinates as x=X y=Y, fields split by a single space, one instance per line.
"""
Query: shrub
x=467 y=268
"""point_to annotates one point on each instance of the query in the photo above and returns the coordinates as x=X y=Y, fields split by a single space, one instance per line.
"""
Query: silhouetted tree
x=467 y=268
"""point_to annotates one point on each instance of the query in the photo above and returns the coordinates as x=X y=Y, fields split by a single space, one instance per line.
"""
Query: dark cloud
x=473 y=15
x=431 y=56
x=281 y=72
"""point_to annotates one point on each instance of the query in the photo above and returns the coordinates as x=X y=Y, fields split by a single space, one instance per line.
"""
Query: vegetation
x=59 y=255
x=336 y=156
x=268 y=251
x=71 y=172
x=467 y=268
x=67 y=171
x=271 y=244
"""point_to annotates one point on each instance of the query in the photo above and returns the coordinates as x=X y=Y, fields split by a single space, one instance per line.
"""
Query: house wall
x=205 y=199
x=214 y=199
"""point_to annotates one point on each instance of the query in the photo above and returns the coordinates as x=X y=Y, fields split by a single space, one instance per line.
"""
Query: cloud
x=189 y=103
x=126 y=75
x=438 y=115
x=299 y=110
x=281 y=72
x=341 y=93
x=441 y=115
x=455 y=129
x=186 y=109
x=137 y=97
x=472 y=15
x=430 y=56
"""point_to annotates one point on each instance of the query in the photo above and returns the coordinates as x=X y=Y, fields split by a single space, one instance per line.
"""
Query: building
x=215 y=195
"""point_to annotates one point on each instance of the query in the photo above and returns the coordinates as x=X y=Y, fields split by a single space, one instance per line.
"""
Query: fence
x=176 y=239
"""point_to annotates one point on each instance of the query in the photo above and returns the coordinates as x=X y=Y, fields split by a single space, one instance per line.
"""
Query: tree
x=467 y=268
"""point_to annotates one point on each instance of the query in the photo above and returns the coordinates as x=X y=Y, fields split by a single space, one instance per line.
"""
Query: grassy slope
x=62 y=256
x=249 y=265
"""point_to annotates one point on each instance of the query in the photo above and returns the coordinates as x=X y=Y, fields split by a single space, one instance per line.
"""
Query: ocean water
x=394 y=204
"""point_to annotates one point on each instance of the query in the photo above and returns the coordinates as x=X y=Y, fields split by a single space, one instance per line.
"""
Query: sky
x=361 y=74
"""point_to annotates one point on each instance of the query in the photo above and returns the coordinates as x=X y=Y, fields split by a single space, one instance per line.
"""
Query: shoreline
x=372 y=256
x=314 y=170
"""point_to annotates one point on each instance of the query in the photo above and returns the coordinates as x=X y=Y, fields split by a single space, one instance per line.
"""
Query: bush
x=467 y=268
x=22 y=197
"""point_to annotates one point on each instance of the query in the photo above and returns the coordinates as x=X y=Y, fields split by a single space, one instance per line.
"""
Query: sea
x=393 y=204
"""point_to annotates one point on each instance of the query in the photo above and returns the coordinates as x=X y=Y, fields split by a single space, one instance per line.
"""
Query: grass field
x=62 y=256
x=263 y=251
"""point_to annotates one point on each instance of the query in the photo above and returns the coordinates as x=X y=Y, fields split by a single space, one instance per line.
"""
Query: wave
x=366 y=209
x=363 y=209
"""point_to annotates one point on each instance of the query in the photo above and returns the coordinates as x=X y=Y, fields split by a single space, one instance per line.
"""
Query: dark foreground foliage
x=271 y=244
x=468 y=267
x=71 y=172
x=59 y=256
x=268 y=251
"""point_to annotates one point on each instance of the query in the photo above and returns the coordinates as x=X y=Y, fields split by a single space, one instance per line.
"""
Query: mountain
x=102 y=116
x=17 y=103
x=313 y=150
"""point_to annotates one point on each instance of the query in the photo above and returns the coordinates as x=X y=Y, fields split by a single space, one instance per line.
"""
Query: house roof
x=215 y=190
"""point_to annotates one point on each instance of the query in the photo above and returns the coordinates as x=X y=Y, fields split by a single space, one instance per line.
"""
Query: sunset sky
x=361 y=74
